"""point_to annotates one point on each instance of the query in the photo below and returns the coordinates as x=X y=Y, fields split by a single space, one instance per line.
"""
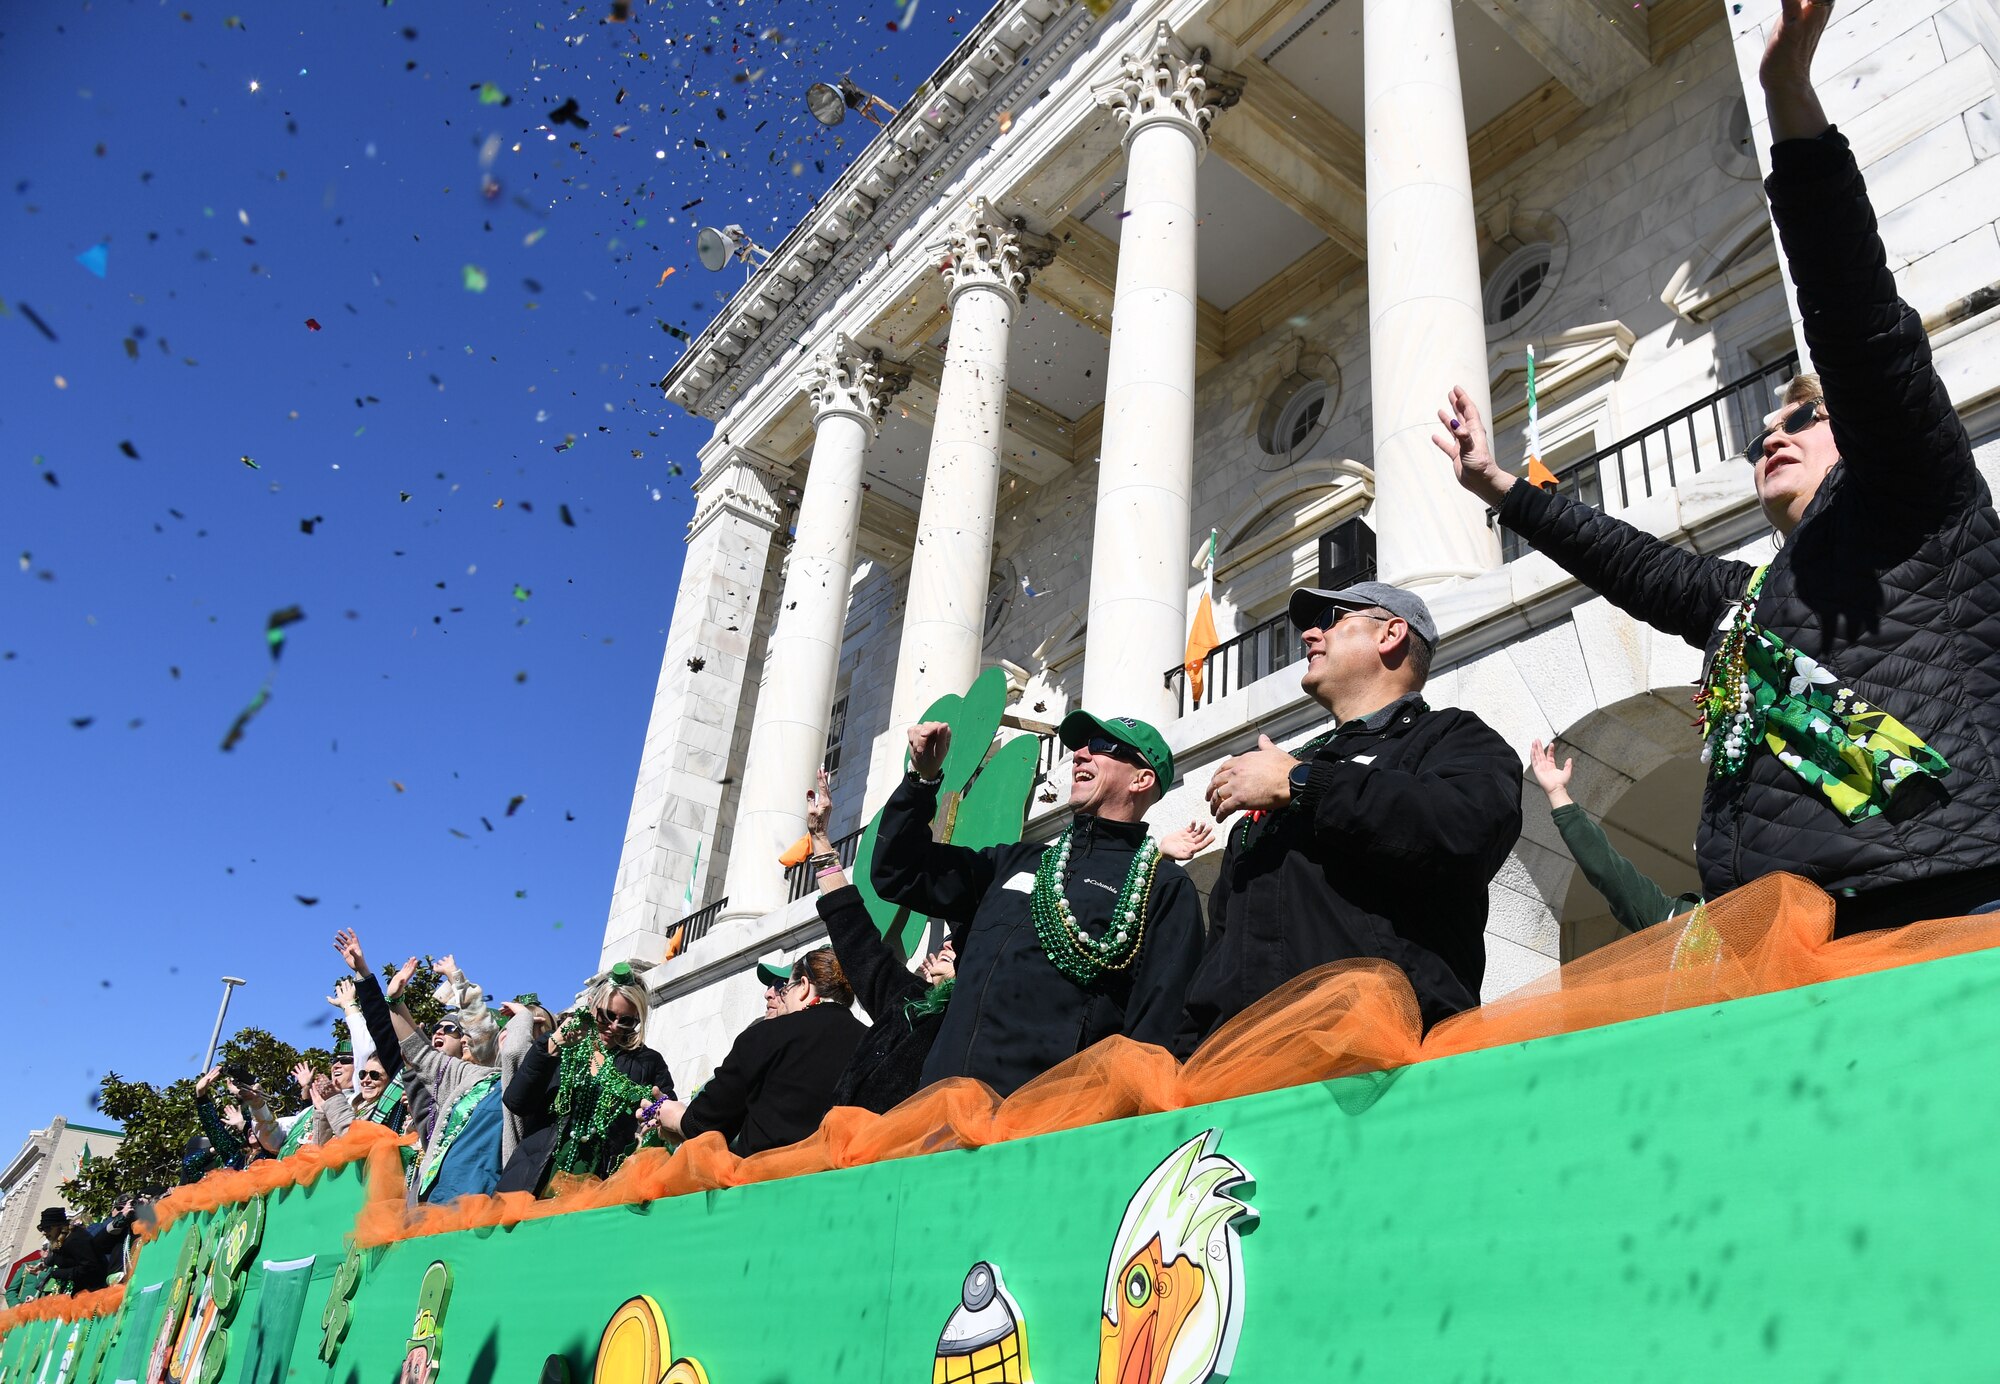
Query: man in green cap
x=1059 y=943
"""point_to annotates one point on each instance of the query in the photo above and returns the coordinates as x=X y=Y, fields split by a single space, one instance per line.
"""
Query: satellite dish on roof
x=825 y=102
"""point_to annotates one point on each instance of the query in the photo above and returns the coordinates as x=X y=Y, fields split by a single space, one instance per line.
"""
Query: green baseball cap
x=771 y=971
x=1080 y=726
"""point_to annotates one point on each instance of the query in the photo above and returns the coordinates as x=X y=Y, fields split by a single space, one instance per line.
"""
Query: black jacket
x=1892 y=580
x=887 y=1068
x=532 y=1096
x=1012 y=1014
x=78 y=1262
x=1388 y=853
x=777 y=1083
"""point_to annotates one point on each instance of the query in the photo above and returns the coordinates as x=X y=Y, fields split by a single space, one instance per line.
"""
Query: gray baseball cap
x=1309 y=603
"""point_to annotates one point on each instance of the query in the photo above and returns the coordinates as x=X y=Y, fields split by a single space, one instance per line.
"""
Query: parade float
x=1724 y=1145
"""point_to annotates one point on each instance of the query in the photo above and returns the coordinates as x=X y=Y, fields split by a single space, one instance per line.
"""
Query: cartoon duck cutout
x=1173 y=1296
x=635 y=1349
x=985 y=1340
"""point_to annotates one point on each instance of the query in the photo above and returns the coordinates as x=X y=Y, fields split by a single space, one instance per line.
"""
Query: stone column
x=677 y=799
x=850 y=390
x=944 y=627
x=1165 y=96
x=1426 y=320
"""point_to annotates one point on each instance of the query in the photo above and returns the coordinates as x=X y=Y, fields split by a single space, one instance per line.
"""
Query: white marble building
x=1112 y=280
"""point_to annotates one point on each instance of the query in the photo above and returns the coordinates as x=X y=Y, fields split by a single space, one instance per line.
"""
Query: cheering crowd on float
x=1851 y=703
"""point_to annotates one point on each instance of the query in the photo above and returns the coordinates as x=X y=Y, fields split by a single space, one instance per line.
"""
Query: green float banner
x=1790 y=1186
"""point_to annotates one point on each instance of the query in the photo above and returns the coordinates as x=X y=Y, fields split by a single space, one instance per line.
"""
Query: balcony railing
x=1709 y=432
x=1256 y=653
x=800 y=878
x=696 y=925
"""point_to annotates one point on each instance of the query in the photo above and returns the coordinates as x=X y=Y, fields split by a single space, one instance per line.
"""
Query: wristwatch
x=1301 y=780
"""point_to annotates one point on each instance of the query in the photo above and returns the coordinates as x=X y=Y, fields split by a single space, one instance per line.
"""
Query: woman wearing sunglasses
x=776 y=1084
x=1849 y=716
x=577 y=1094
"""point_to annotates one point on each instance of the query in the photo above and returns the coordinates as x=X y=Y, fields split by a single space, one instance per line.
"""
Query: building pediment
x=948 y=121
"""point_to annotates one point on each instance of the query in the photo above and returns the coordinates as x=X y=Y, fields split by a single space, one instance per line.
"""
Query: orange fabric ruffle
x=1341 y=1020
x=226 y=1187
x=69 y=1307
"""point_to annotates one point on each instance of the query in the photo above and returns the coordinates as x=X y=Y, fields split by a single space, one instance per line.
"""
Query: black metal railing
x=695 y=926
x=1051 y=755
x=799 y=879
x=1709 y=432
x=1256 y=653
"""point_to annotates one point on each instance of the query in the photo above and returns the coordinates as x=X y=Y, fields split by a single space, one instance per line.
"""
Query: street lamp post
x=229 y=983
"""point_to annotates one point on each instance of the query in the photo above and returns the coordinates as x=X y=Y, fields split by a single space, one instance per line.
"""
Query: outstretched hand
x=819 y=806
x=1554 y=780
x=1189 y=842
x=1786 y=69
x=342 y=997
x=400 y=979
x=1464 y=440
x=303 y=1075
x=349 y=947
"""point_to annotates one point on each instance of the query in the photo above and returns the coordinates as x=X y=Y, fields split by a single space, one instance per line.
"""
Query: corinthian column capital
x=985 y=250
x=1168 y=81
x=848 y=379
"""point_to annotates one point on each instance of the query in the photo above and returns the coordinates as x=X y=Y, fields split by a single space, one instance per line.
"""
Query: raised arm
x=909 y=867
x=880 y=980
x=1893 y=419
x=1671 y=590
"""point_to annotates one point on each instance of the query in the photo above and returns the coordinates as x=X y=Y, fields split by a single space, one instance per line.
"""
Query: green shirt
x=1636 y=902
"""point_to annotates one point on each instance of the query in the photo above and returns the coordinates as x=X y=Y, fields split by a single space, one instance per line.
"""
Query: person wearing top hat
x=75 y=1253
x=1059 y=943
x=1376 y=838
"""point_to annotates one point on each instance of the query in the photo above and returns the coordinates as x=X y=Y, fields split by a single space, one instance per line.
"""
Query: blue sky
x=250 y=170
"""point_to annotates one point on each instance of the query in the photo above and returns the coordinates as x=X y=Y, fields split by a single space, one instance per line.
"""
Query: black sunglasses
x=1331 y=615
x=624 y=1023
x=1105 y=747
x=1792 y=424
x=447 y=1026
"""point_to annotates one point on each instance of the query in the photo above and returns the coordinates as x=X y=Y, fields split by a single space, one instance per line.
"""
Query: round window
x=1294 y=417
x=1518 y=282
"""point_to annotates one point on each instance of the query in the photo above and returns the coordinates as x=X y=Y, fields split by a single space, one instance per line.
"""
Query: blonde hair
x=599 y=995
x=1801 y=389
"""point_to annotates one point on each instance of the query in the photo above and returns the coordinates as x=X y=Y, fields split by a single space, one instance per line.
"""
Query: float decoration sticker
x=1173 y=1295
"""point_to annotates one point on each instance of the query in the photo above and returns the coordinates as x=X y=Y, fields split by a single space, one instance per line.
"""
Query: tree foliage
x=158 y=1121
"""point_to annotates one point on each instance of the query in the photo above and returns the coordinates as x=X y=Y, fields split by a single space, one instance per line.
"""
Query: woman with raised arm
x=1851 y=702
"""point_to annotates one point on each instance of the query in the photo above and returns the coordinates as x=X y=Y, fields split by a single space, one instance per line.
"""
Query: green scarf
x=1862 y=760
x=932 y=1001
x=450 y=1128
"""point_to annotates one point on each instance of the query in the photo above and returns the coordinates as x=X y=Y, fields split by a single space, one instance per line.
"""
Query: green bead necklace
x=588 y=1104
x=1081 y=957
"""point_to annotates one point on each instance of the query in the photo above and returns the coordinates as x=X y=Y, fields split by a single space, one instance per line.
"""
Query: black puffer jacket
x=1892 y=580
